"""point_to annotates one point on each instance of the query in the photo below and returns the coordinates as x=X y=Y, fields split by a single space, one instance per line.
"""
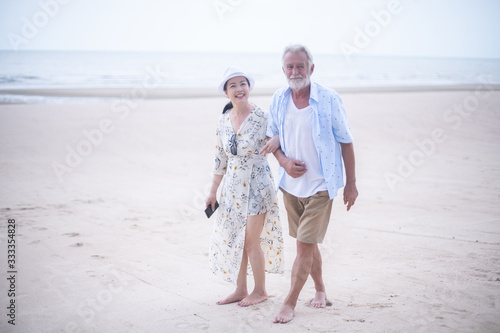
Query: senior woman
x=247 y=227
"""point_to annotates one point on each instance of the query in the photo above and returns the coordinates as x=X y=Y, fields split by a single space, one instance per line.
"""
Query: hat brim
x=250 y=80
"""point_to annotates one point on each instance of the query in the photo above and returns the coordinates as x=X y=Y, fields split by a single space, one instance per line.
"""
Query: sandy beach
x=111 y=236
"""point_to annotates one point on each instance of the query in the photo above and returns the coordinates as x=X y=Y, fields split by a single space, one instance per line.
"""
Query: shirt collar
x=314 y=92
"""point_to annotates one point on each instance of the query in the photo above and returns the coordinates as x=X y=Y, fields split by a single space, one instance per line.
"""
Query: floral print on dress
x=247 y=189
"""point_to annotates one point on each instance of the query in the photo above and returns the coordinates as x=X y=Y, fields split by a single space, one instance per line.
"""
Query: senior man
x=311 y=139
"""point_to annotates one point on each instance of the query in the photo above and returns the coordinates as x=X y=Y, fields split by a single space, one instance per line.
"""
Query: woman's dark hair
x=229 y=105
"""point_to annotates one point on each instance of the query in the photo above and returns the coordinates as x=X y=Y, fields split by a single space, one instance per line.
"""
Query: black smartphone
x=209 y=210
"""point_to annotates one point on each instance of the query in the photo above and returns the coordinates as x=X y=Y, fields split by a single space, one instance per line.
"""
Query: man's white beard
x=298 y=82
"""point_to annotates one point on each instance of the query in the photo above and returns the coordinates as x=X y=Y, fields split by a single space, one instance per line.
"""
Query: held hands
x=350 y=195
x=271 y=145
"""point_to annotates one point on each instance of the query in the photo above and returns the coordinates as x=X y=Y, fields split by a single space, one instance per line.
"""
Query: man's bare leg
x=255 y=223
x=319 y=300
x=300 y=271
x=241 y=283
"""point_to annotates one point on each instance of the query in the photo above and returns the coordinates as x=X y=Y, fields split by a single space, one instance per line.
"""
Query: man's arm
x=350 y=189
x=294 y=168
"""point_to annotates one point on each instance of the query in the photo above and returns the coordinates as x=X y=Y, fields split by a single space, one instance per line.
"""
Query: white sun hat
x=231 y=72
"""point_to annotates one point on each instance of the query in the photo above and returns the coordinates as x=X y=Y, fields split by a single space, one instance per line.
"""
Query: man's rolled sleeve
x=272 y=121
x=340 y=124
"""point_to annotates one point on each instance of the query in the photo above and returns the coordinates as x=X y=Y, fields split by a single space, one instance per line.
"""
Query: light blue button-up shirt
x=330 y=127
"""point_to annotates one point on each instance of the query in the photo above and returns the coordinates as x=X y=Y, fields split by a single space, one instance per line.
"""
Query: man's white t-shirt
x=300 y=145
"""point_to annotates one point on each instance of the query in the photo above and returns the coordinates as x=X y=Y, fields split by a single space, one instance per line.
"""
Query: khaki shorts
x=308 y=217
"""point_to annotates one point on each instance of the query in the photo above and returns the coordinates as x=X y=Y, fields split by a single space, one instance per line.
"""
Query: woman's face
x=237 y=89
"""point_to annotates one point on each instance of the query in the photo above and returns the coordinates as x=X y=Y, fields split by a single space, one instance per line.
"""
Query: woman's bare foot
x=285 y=315
x=253 y=298
x=319 y=300
x=234 y=297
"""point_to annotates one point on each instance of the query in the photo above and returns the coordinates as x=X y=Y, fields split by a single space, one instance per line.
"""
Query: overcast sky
x=443 y=28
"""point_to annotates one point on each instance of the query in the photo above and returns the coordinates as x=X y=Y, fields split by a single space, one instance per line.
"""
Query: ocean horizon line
x=316 y=54
x=65 y=95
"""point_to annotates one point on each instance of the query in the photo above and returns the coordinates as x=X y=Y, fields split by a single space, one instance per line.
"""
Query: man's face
x=296 y=69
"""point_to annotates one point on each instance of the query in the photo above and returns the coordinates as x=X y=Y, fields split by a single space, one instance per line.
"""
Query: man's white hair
x=296 y=48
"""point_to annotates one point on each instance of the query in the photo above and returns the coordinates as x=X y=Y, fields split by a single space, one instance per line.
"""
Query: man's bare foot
x=253 y=298
x=285 y=315
x=319 y=300
x=234 y=297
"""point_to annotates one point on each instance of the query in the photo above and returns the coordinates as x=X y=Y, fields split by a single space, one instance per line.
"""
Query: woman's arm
x=271 y=146
x=212 y=196
x=219 y=168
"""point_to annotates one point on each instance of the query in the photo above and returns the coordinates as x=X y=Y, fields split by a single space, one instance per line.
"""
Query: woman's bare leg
x=241 y=283
x=255 y=223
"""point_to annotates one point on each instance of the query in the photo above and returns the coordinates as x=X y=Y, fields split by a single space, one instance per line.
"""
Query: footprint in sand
x=96 y=256
x=71 y=234
x=353 y=320
x=91 y=274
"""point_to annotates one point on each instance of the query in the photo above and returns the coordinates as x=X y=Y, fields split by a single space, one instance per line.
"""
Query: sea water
x=56 y=69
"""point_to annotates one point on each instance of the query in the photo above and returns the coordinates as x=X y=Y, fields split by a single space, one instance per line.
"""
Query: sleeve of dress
x=341 y=129
x=263 y=131
x=220 y=155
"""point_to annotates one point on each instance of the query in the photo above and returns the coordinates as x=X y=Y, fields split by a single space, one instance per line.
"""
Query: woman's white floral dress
x=248 y=189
